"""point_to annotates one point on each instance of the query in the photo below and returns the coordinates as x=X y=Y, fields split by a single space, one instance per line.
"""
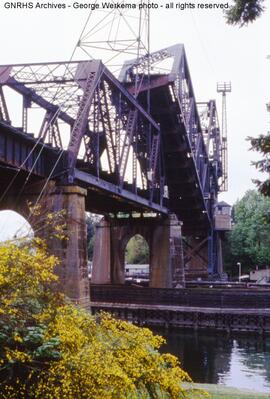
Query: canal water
x=232 y=360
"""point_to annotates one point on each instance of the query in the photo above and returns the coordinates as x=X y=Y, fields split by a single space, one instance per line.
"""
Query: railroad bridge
x=137 y=149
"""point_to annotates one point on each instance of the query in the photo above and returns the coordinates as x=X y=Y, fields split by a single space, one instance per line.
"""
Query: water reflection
x=238 y=361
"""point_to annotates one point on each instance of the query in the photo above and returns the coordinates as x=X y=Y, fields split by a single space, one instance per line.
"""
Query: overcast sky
x=215 y=52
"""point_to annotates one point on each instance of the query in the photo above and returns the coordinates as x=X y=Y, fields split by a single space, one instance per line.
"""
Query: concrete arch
x=21 y=203
x=20 y=207
x=161 y=234
x=121 y=234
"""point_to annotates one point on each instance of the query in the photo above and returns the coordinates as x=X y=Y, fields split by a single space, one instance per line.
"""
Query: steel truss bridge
x=138 y=143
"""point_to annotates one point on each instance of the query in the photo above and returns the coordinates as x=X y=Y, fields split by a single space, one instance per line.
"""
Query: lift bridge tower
x=222 y=212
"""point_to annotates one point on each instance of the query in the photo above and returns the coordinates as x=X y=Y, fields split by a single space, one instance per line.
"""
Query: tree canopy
x=261 y=144
x=137 y=250
x=91 y=221
x=249 y=241
x=243 y=12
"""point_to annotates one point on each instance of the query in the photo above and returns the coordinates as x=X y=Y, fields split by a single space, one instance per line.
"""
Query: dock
x=229 y=310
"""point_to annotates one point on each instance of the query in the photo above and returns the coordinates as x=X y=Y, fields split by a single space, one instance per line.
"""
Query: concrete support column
x=109 y=253
x=72 y=253
x=160 y=259
x=166 y=256
x=118 y=246
x=101 y=267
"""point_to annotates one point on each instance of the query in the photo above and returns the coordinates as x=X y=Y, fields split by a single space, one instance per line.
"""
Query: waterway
x=232 y=360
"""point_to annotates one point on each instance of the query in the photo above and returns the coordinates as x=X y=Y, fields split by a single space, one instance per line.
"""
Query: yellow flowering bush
x=51 y=349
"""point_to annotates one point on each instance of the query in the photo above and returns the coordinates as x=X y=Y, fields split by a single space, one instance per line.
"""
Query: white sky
x=215 y=52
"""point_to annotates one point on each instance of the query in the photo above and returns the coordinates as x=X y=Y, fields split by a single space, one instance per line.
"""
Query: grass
x=222 y=392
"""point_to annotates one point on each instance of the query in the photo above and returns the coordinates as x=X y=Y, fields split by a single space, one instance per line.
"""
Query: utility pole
x=239 y=271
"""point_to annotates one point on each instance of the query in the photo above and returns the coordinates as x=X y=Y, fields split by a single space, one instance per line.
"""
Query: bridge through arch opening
x=137 y=260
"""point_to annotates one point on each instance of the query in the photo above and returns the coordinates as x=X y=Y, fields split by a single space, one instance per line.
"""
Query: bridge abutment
x=164 y=239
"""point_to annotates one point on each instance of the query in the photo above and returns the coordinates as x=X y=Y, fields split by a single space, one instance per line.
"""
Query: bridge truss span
x=100 y=129
x=190 y=134
x=138 y=144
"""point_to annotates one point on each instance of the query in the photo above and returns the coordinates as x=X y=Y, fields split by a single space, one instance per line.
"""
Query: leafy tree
x=91 y=221
x=26 y=272
x=249 y=241
x=137 y=251
x=262 y=145
x=244 y=11
x=51 y=349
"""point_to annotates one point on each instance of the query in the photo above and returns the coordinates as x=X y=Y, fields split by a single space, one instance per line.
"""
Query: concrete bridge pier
x=164 y=239
x=72 y=252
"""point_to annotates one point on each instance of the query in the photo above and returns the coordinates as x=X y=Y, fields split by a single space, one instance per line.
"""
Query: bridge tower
x=224 y=88
x=222 y=210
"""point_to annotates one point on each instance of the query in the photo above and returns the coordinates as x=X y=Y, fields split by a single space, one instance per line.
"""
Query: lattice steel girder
x=178 y=78
x=55 y=84
x=95 y=105
x=135 y=129
x=4 y=116
x=49 y=130
x=127 y=143
x=141 y=64
x=191 y=251
x=212 y=138
x=174 y=106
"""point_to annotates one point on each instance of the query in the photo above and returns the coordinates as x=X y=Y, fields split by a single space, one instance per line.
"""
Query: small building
x=223 y=220
x=262 y=275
